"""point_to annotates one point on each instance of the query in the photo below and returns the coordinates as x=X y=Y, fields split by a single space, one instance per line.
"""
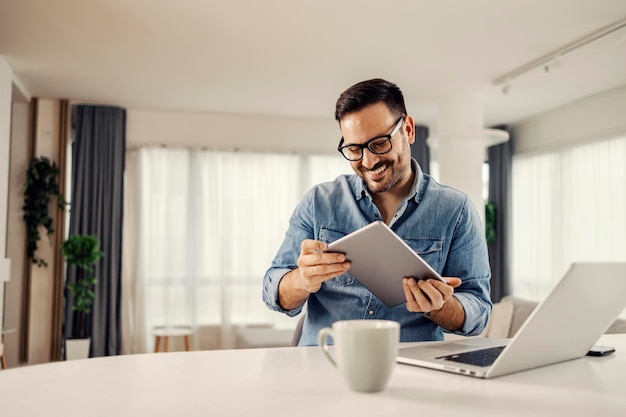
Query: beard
x=391 y=178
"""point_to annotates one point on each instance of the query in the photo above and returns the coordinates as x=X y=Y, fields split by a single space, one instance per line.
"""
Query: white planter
x=77 y=349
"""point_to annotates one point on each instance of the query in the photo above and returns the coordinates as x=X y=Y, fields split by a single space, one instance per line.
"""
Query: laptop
x=578 y=310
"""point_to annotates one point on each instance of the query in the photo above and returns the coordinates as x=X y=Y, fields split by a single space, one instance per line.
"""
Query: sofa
x=511 y=312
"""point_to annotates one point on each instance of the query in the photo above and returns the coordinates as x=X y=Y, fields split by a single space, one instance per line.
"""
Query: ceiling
x=292 y=58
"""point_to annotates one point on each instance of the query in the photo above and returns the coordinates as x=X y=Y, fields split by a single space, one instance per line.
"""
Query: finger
x=321 y=258
x=445 y=290
x=411 y=302
x=334 y=269
x=421 y=298
x=309 y=246
x=452 y=281
x=432 y=293
x=312 y=277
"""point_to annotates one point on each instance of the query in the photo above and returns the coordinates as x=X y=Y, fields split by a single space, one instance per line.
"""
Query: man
x=436 y=221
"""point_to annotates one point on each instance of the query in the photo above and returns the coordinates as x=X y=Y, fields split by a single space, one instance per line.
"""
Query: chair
x=297 y=331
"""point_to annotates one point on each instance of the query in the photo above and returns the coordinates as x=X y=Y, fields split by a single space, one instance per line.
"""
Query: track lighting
x=552 y=65
x=552 y=60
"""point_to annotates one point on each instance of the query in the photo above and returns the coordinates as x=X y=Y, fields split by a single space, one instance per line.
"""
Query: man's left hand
x=430 y=295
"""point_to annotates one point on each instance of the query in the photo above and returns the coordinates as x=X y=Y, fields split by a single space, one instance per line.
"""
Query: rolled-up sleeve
x=286 y=258
x=270 y=291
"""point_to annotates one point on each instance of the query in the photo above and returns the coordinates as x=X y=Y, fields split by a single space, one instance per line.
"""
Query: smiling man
x=436 y=221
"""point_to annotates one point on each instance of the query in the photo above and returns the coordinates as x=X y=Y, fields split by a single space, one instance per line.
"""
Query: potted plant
x=490 y=222
x=41 y=185
x=82 y=252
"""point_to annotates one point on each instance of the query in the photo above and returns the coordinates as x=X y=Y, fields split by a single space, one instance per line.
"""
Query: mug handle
x=322 y=341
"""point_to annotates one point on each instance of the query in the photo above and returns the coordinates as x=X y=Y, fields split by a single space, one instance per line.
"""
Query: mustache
x=375 y=167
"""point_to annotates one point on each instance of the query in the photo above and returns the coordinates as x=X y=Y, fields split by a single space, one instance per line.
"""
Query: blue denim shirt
x=438 y=222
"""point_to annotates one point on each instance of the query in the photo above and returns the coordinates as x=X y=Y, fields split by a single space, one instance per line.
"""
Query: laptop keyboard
x=482 y=357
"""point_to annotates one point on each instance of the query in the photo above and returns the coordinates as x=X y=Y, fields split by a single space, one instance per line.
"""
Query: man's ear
x=409 y=128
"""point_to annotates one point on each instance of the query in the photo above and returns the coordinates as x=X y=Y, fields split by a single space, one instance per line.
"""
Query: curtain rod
x=548 y=58
x=209 y=148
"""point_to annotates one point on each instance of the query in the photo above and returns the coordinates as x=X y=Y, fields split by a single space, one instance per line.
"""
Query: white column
x=6 y=87
x=461 y=143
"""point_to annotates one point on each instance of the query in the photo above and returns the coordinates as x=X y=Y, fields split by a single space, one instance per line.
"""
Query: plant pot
x=77 y=349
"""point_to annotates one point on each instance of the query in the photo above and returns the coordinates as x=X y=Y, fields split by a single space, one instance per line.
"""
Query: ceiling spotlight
x=553 y=64
x=506 y=88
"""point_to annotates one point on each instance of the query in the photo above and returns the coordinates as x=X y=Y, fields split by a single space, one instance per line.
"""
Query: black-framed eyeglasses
x=378 y=145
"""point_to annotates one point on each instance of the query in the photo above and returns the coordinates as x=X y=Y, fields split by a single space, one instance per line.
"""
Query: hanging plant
x=41 y=185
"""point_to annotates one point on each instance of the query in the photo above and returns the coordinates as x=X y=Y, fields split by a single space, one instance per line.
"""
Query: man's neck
x=388 y=201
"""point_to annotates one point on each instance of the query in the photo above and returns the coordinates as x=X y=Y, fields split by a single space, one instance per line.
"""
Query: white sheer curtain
x=244 y=201
x=568 y=206
x=133 y=289
x=210 y=223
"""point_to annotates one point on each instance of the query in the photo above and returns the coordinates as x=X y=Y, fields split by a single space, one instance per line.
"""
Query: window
x=211 y=223
x=568 y=206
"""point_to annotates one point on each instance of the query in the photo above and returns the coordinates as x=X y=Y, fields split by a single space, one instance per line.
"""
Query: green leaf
x=82 y=252
x=41 y=185
x=490 y=222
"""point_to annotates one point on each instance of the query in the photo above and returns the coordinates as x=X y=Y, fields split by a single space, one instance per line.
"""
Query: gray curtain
x=419 y=149
x=98 y=155
x=500 y=159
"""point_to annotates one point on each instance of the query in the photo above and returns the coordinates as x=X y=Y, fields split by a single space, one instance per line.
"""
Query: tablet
x=380 y=259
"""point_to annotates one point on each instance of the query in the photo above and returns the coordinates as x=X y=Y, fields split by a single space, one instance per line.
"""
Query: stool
x=165 y=332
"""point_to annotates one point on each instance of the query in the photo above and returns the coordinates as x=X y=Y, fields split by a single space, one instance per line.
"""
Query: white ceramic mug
x=364 y=351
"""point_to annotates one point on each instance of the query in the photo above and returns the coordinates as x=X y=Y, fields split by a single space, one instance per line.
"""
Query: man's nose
x=369 y=158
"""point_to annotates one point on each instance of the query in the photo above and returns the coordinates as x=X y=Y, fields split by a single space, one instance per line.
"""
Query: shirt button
x=371 y=312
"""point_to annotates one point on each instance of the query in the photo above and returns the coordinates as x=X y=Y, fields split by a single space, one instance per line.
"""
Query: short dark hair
x=370 y=92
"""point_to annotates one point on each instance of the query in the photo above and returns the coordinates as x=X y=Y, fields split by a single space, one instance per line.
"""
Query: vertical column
x=46 y=134
x=461 y=142
x=6 y=87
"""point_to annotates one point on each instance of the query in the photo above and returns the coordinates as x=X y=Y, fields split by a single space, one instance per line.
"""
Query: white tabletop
x=300 y=382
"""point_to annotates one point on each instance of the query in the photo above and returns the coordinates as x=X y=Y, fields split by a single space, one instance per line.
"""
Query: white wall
x=596 y=117
x=601 y=116
x=227 y=131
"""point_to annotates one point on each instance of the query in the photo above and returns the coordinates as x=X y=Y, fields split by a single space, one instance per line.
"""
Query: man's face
x=380 y=172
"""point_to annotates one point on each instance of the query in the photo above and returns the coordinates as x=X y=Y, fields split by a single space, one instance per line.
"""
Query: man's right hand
x=314 y=267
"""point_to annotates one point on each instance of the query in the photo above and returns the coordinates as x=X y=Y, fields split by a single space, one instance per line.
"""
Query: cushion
x=499 y=324
x=521 y=310
x=618 y=326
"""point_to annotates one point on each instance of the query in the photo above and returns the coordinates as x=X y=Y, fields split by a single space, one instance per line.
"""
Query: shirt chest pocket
x=430 y=249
